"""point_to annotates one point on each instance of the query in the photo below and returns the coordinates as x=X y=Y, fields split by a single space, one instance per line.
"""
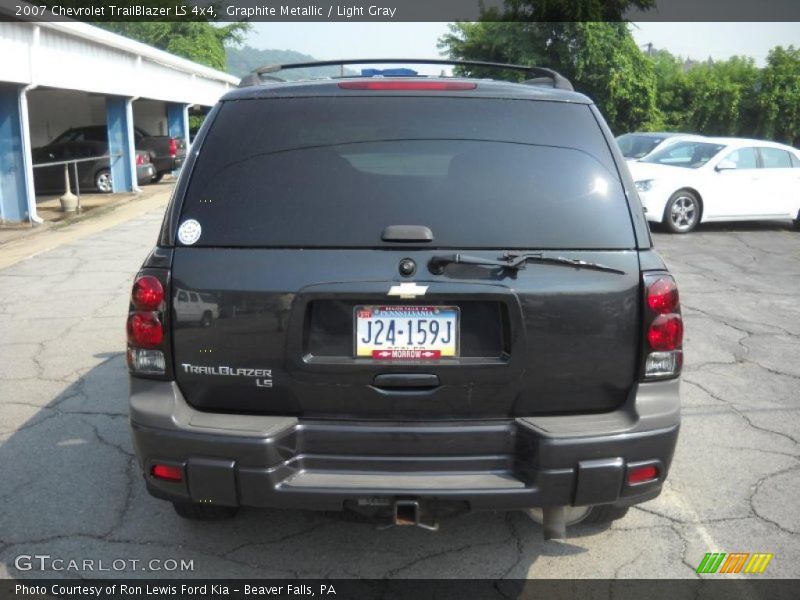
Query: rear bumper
x=167 y=164
x=262 y=461
x=145 y=173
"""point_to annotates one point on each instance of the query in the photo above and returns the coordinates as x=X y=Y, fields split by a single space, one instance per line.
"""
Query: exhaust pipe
x=555 y=519
x=554 y=523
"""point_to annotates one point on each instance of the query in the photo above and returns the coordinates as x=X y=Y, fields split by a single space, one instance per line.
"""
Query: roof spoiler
x=536 y=75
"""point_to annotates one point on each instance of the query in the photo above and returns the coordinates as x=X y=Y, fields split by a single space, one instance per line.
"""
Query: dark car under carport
x=77 y=144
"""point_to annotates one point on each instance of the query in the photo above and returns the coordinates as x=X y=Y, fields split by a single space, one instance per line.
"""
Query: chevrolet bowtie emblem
x=407 y=290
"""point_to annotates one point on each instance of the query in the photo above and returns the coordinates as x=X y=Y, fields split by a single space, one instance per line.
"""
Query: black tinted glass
x=68 y=136
x=96 y=134
x=637 y=146
x=337 y=171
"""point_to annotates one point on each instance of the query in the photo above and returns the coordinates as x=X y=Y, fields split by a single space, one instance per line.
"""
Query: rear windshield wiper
x=514 y=262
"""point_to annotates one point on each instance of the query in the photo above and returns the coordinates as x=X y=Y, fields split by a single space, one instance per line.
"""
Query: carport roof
x=125 y=44
x=78 y=56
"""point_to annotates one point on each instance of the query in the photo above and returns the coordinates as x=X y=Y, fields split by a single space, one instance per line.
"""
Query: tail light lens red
x=662 y=296
x=148 y=293
x=663 y=327
x=142 y=158
x=666 y=332
x=145 y=330
x=173 y=147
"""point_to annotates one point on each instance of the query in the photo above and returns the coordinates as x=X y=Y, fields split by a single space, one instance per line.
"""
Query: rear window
x=336 y=171
x=775 y=158
x=637 y=146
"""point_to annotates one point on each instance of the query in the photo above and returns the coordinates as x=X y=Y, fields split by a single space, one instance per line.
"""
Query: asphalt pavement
x=70 y=488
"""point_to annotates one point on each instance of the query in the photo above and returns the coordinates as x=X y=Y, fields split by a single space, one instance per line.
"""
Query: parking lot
x=70 y=488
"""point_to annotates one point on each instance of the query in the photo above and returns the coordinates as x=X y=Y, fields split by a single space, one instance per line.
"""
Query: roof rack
x=538 y=75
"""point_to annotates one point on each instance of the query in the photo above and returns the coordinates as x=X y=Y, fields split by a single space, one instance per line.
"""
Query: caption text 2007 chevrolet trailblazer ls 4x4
x=405 y=296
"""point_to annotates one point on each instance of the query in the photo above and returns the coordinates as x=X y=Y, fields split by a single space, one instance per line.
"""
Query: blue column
x=178 y=121
x=13 y=178
x=119 y=119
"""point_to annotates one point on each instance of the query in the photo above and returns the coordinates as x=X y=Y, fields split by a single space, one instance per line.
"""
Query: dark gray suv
x=423 y=295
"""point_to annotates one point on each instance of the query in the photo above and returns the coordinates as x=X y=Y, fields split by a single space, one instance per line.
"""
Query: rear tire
x=207 y=319
x=605 y=513
x=572 y=516
x=158 y=177
x=204 y=512
x=682 y=213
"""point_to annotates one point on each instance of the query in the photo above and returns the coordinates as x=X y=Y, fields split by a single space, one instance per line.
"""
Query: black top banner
x=403 y=10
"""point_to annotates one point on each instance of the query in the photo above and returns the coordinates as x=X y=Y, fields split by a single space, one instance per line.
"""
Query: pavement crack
x=279 y=540
x=132 y=468
x=393 y=572
x=517 y=537
x=762 y=451
x=741 y=414
x=684 y=551
x=105 y=441
x=677 y=521
x=755 y=489
x=619 y=569
x=728 y=323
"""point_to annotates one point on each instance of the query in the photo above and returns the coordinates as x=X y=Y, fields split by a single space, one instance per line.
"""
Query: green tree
x=200 y=41
x=563 y=11
x=778 y=96
x=601 y=59
x=672 y=90
x=721 y=98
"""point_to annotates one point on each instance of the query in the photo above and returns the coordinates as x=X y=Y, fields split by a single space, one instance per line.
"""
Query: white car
x=195 y=307
x=718 y=179
x=638 y=145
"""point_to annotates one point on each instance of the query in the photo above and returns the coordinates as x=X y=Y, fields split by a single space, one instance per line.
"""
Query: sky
x=418 y=40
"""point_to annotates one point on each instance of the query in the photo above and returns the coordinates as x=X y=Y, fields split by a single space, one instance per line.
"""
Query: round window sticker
x=189 y=232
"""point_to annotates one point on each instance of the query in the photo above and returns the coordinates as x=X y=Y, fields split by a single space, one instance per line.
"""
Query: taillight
x=663 y=354
x=440 y=86
x=173 y=147
x=666 y=332
x=145 y=330
x=145 y=327
x=142 y=158
x=146 y=362
x=662 y=296
x=148 y=293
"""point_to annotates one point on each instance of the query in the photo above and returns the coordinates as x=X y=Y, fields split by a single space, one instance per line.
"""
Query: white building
x=55 y=76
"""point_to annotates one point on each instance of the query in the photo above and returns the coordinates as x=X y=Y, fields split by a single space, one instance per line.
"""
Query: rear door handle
x=406 y=380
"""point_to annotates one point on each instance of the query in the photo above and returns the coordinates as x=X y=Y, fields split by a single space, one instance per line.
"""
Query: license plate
x=406 y=332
